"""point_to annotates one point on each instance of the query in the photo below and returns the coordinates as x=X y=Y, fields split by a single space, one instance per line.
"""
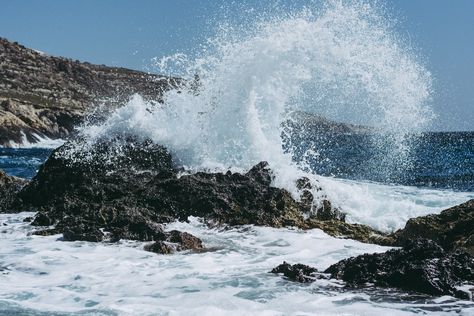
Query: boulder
x=175 y=241
x=297 y=272
x=9 y=187
x=128 y=187
x=452 y=228
x=421 y=266
x=122 y=181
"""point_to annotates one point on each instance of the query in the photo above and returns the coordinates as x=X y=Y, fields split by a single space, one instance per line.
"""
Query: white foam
x=44 y=274
x=40 y=141
x=388 y=207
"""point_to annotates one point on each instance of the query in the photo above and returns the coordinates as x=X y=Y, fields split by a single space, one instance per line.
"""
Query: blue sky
x=130 y=33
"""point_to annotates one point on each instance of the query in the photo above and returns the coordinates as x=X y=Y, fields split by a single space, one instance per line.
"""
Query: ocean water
x=23 y=162
x=45 y=276
x=443 y=160
x=343 y=61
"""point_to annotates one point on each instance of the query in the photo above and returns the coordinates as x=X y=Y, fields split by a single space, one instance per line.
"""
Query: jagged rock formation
x=9 y=187
x=129 y=187
x=420 y=266
x=106 y=186
x=452 y=228
x=45 y=95
x=297 y=272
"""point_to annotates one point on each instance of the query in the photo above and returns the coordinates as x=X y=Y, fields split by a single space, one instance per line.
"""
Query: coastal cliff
x=45 y=96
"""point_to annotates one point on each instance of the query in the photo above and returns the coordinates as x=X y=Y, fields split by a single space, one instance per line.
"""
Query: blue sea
x=442 y=160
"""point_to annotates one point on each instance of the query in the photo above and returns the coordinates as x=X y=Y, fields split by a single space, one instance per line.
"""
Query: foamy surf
x=388 y=207
x=39 y=141
x=49 y=276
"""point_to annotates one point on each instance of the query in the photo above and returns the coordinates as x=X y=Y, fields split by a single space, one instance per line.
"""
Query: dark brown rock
x=175 y=241
x=452 y=228
x=420 y=266
x=297 y=272
x=82 y=232
x=129 y=192
x=9 y=186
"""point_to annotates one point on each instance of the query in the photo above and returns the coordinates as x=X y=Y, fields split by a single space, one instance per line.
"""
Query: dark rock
x=9 y=187
x=452 y=228
x=184 y=240
x=138 y=184
x=362 y=233
x=160 y=247
x=80 y=195
x=175 y=241
x=231 y=198
x=47 y=232
x=128 y=187
x=323 y=209
x=82 y=232
x=421 y=266
x=297 y=272
x=326 y=212
x=28 y=219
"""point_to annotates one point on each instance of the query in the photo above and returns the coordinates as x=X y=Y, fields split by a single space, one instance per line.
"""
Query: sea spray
x=343 y=61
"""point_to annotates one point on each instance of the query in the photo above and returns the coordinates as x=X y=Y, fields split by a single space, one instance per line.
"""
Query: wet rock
x=160 y=247
x=175 y=241
x=297 y=272
x=326 y=212
x=421 y=266
x=452 y=228
x=83 y=233
x=230 y=198
x=28 y=219
x=9 y=187
x=128 y=187
x=322 y=207
x=137 y=185
x=185 y=240
x=359 y=232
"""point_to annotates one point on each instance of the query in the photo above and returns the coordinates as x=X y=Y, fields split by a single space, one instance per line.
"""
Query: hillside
x=42 y=95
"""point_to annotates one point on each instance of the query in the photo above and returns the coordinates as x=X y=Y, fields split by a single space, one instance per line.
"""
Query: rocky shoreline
x=107 y=192
x=46 y=96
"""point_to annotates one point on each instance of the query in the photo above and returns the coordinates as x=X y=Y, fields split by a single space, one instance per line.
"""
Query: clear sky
x=130 y=33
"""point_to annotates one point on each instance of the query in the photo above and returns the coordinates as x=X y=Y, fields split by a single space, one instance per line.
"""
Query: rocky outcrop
x=452 y=228
x=298 y=272
x=175 y=241
x=108 y=188
x=46 y=96
x=9 y=187
x=421 y=266
x=359 y=232
x=127 y=188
